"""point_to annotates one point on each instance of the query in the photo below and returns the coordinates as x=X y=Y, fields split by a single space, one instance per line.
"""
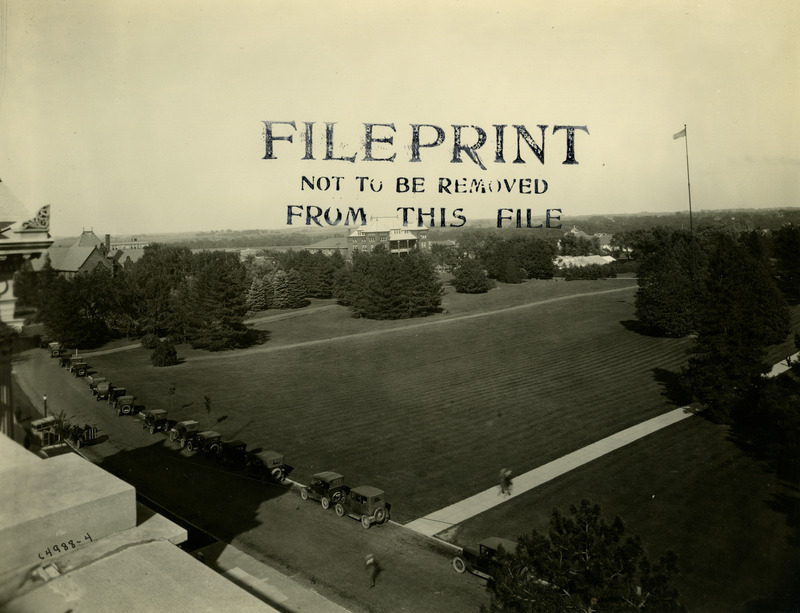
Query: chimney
x=108 y=243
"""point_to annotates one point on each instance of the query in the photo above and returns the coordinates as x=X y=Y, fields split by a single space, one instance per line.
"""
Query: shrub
x=164 y=354
x=150 y=341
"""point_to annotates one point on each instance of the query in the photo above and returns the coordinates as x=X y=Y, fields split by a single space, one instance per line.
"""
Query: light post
x=45 y=404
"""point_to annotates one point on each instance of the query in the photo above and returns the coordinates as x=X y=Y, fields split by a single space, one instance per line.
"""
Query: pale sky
x=147 y=116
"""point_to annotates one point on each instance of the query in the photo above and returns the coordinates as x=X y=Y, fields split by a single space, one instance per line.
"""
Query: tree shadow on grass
x=674 y=388
x=634 y=325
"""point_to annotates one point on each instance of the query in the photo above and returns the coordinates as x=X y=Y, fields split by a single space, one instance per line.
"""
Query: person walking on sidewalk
x=371 y=564
x=505 y=481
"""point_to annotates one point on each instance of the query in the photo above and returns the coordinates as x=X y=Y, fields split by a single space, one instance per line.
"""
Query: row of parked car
x=365 y=503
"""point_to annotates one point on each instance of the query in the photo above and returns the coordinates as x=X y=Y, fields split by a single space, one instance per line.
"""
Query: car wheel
x=365 y=521
x=459 y=565
x=215 y=448
x=190 y=446
x=172 y=436
x=78 y=444
x=380 y=515
x=325 y=502
x=277 y=474
x=304 y=493
x=337 y=496
x=56 y=353
x=183 y=443
x=81 y=372
x=339 y=509
x=152 y=429
x=127 y=409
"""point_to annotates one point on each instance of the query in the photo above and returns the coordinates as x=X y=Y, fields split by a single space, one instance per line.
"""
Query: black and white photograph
x=382 y=307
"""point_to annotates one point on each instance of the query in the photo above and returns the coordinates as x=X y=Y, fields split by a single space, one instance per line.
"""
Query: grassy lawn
x=428 y=413
x=690 y=489
x=430 y=409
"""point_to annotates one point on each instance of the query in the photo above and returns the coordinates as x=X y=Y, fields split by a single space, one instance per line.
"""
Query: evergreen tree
x=666 y=298
x=583 y=564
x=280 y=290
x=787 y=257
x=296 y=291
x=470 y=278
x=219 y=289
x=380 y=285
x=742 y=313
x=256 y=296
x=164 y=354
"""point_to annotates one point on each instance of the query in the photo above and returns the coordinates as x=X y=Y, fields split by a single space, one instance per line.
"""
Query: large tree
x=218 y=302
x=77 y=311
x=741 y=314
x=469 y=277
x=154 y=280
x=583 y=564
x=382 y=285
x=668 y=278
x=787 y=261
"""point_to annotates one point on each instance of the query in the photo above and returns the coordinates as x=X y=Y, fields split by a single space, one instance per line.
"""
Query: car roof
x=233 y=443
x=493 y=542
x=157 y=411
x=44 y=421
x=367 y=490
x=328 y=475
x=209 y=433
x=186 y=422
x=269 y=455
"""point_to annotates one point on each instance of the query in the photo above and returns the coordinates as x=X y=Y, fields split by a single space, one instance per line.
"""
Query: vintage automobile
x=94 y=381
x=124 y=405
x=184 y=431
x=206 y=441
x=45 y=430
x=65 y=361
x=115 y=392
x=232 y=452
x=79 y=368
x=81 y=435
x=267 y=466
x=155 y=419
x=483 y=559
x=328 y=487
x=102 y=390
x=55 y=349
x=365 y=503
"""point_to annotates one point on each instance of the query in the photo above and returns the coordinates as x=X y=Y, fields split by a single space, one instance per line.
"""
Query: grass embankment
x=431 y=411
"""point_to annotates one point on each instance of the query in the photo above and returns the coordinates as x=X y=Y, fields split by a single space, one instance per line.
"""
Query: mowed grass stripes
x=428 y=413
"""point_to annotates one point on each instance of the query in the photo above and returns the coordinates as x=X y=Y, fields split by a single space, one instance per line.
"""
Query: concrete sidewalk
x=461 y=511
x=483 y=501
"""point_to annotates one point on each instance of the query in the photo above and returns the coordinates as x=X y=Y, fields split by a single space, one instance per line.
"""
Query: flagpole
x=688 y=181
x=689 y=187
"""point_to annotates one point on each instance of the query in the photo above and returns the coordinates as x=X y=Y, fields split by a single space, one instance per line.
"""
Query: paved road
x=273 y=524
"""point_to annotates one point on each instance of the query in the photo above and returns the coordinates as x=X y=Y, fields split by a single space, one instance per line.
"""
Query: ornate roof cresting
x=40 y=222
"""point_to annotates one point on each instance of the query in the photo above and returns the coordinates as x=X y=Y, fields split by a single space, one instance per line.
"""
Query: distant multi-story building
x=389 y=232
x=88 y=253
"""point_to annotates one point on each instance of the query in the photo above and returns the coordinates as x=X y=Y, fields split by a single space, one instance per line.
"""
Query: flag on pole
x=681 y=134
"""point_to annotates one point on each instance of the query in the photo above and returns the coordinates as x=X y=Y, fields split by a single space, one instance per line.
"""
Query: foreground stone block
x=55 y=506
